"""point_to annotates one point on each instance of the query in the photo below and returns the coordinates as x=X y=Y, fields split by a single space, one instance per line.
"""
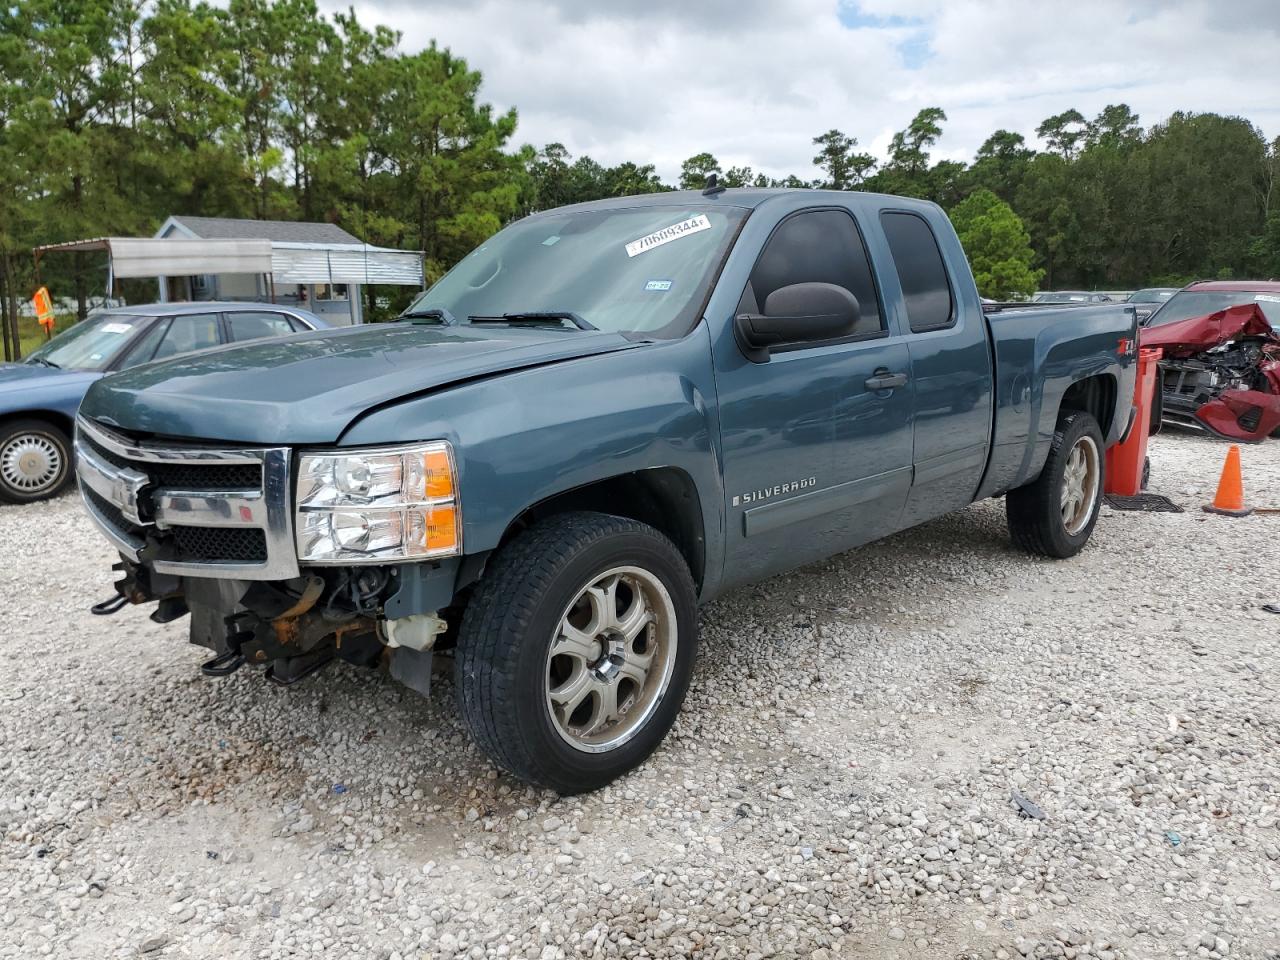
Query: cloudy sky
x=753 y=81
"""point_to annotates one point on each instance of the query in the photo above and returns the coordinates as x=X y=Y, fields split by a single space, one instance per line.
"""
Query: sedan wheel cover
x=30 y=463
x=610 y=663
x=1080 y=478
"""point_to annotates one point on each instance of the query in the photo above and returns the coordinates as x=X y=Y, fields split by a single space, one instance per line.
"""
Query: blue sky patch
x=852 y=16
x=916 y=51
x=913 y=47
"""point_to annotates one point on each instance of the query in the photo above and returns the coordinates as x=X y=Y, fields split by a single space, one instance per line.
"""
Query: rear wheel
x=35 y=461
x=576 y=649
x=1054 y=515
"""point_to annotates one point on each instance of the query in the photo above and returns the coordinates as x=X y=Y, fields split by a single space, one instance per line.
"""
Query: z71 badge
x=768 y=493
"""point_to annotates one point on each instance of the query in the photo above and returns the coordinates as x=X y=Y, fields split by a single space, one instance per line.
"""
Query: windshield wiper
x=432 y=313
x=538 y=316
x=47 y=363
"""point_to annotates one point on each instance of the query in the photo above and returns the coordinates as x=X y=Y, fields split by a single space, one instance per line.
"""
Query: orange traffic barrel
x=1125 y=461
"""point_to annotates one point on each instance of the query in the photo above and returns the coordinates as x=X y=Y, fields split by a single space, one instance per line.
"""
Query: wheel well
x=664 y=497
x=51 y=417
x=1094 y=395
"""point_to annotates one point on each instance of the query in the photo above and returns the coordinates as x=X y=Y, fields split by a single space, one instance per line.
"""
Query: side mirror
x=797 y=313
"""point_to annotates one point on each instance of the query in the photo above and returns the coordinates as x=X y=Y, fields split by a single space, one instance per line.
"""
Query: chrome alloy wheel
x=1080 y=479
x=30 y=463
x=610 y=663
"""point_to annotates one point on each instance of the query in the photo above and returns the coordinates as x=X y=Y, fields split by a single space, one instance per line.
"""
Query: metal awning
x=285 y=262
x=134 y=257
x=344 y=263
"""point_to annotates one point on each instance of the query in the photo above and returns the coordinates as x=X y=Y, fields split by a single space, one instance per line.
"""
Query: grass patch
x=31 y=334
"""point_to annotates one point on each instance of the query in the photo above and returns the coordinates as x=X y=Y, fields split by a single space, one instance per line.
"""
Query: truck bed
x=1038 y=354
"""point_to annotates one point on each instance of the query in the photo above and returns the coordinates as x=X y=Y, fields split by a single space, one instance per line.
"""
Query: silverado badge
x=768 y=493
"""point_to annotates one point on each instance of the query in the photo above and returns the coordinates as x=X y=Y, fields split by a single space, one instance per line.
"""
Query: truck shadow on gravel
x=867 y=584
x=350 y=731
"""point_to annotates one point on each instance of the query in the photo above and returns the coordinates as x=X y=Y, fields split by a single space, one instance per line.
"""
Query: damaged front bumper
x=208 y=531
x=388 y=617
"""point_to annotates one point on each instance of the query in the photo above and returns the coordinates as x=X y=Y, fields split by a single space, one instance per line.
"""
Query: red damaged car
x=1221 y=366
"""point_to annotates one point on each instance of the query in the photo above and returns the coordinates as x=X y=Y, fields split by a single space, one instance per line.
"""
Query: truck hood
x=310 y=388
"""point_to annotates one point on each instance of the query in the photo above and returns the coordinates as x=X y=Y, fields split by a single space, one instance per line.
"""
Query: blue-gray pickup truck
x=601 y=417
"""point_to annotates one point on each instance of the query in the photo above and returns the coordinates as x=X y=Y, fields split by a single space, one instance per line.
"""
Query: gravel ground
x=838 y=785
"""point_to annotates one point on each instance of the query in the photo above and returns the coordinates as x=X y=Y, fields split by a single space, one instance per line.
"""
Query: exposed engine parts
x=292 y=628
x=1221 y=372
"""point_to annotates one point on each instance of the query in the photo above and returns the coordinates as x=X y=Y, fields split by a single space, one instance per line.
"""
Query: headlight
x=378 y=504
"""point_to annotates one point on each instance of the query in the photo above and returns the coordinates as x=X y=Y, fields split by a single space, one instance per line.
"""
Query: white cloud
x=754 y=81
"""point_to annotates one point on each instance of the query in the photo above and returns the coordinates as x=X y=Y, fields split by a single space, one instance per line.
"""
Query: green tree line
x=1106 y=204
x=117 y=113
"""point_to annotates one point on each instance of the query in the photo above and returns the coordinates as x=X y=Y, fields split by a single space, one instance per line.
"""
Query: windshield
x=642 y=270
x=1150 y=296
x=90 y=344
x=1192 y=303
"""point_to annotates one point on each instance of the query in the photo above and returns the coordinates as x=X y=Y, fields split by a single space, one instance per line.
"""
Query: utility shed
x=318 y=266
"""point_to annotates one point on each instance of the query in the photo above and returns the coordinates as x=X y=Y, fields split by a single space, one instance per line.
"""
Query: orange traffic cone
x=1229 y=500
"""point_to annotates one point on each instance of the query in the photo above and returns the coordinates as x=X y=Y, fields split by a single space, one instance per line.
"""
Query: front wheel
x=576 y=649
x=1055 y=514
x=35 y=461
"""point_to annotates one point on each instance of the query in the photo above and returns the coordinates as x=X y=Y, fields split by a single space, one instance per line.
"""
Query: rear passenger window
x=921 y=272
x=819 y=246
x=254 y=326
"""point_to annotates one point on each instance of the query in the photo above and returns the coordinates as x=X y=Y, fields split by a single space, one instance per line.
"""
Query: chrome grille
x=217 y=544
x=191 y=476
x=108 y=510
x=201 y=511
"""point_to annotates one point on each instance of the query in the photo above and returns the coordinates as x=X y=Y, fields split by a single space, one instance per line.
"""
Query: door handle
x=884 y=380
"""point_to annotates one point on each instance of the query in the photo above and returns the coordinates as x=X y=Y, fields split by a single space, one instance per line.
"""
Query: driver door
x=816 y=460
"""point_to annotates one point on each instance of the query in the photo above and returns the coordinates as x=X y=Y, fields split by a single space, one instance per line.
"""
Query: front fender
x=522 y=437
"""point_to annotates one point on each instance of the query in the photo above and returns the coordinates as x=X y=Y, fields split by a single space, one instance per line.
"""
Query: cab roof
x=743 y=197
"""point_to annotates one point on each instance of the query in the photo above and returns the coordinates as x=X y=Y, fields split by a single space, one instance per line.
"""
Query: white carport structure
x=322 y=275
x=133 y=257
x=345 y=263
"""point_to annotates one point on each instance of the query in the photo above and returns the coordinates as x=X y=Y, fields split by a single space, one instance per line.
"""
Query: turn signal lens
x=431 y=475
x=433 y=530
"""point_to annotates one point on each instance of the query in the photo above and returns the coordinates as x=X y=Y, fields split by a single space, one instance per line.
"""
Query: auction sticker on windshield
x=667 y=234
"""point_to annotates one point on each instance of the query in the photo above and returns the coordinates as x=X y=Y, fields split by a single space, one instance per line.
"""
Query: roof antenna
x=713 y=186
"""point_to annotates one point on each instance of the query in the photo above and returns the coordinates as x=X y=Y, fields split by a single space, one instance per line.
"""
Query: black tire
x=511 y=620
x=1034 y=512
x=41 y=440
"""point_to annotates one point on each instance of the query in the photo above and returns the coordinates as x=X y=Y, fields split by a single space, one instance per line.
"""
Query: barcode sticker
x=667 y=234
